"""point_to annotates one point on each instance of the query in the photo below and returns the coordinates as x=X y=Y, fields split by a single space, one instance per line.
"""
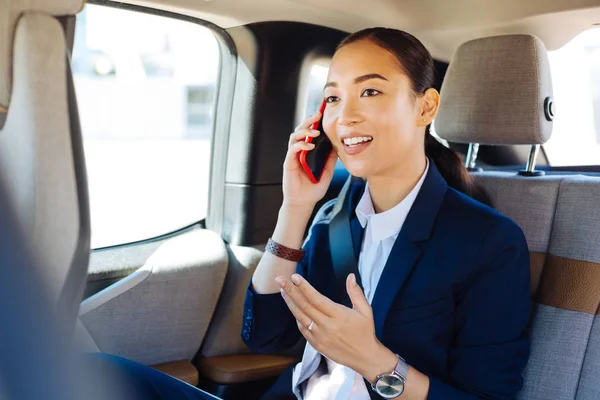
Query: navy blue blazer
x=453 y=299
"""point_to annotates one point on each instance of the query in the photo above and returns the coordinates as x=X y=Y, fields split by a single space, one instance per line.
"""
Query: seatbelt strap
x=341 y=246
x=342 y=253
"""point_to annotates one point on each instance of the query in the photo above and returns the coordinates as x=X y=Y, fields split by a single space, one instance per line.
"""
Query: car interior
x=141 y=144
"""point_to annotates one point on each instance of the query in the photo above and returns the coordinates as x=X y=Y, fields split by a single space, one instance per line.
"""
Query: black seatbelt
x=341 y=245
x=342 y=252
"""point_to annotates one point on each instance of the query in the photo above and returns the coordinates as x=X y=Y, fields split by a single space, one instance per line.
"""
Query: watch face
x=389 y=386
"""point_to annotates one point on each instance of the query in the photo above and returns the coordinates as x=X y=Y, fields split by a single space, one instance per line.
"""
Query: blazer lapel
x=406 y=250
x=402 y=260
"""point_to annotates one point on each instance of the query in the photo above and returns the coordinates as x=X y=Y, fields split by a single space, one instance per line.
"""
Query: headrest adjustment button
x=549 y=108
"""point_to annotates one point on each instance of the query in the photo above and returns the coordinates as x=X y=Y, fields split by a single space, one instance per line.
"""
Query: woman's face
x=369 y=101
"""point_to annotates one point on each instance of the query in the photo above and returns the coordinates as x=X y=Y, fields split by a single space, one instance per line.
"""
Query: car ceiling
x=442 y=25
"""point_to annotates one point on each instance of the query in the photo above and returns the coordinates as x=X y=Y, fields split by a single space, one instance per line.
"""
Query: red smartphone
x=314 y=161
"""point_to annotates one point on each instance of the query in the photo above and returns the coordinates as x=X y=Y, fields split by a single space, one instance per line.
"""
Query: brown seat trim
x=243 y=368
x=570 y=284
x=182 y=370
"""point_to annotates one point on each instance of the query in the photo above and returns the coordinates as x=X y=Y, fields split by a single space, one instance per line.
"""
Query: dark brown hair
x=416 y=62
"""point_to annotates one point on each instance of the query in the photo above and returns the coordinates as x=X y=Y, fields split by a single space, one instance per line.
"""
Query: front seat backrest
x=41 y=153
x=494 y=92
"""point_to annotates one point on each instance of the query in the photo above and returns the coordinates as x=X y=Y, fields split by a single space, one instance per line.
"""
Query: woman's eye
x=370 y=92
x=331 y=99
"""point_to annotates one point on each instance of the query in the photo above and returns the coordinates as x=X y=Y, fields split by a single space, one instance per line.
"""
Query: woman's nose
x=348 y=114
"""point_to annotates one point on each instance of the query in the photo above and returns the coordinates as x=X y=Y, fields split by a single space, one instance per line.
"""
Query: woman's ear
x=430 y=104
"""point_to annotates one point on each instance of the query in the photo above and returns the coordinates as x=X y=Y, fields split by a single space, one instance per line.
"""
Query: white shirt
x=381 y=230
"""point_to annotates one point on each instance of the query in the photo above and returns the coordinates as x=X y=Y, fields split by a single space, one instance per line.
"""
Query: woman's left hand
x=344 y=335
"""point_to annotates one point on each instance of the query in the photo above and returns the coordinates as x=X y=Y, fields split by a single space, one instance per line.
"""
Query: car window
x=316 y=83
x=145 y=87
x=312 y=83
x=576 y=81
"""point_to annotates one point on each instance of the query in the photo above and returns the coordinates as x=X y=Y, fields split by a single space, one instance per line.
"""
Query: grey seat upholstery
x=531 y=203
x=160 y=313
x=41 y=154
x=494 y=93
x=565 y=330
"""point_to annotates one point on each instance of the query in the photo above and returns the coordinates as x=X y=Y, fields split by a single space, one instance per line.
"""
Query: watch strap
x=401 y=367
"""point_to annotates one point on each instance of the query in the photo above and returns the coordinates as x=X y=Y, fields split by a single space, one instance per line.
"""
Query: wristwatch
x=391 y=385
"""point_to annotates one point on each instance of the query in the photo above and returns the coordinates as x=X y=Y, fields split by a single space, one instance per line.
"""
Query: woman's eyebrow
x=367 y=77
x=359 y=79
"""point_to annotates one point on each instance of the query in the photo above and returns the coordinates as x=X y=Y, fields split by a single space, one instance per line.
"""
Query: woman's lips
x=356 y=149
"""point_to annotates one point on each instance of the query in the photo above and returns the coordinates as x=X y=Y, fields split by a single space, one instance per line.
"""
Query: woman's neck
x=389 y=189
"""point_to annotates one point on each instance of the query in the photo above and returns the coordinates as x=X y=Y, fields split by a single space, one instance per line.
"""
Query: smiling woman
x=439 y=305
x=414 y=250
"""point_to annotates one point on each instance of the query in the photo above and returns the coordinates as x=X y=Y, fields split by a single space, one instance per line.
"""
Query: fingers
x=304 y=311
x=301 y=135
x=302 y=319
x=316 y=299
x=308 y=335
x=304 y=129
x=297 y=148
x=301 y=314
x=359 y=301
x=305 y=125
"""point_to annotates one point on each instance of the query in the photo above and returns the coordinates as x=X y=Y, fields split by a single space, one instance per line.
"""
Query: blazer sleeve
x=268 y=325
x=491 y=343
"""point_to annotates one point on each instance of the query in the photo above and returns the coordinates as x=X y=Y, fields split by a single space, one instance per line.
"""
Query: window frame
x=223 y=105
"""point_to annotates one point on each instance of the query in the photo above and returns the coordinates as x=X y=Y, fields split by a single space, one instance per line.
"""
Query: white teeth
x=356 y=140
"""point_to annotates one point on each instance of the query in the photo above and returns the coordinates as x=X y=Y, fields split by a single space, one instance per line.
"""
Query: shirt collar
x=388 y=223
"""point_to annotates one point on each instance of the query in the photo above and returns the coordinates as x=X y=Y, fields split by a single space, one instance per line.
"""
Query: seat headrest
x=497 y=91
x=10 y=11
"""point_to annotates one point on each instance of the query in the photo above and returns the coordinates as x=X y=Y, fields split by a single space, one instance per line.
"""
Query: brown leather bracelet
x=284 y=252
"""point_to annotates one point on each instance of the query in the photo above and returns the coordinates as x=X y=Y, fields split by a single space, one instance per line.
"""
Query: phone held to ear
x=314 y=161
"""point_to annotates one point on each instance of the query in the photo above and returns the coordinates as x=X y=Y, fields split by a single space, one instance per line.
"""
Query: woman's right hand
x=298 y=190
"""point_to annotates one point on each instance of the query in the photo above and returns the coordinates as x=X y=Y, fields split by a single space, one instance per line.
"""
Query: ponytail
x=452 y=169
